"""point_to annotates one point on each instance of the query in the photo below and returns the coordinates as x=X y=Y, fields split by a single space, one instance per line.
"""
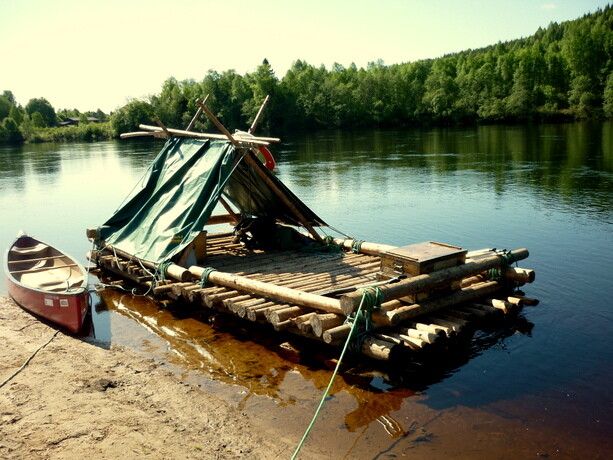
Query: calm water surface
x=539 y=388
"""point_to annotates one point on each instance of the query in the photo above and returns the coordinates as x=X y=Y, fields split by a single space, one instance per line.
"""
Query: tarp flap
x=180 y=192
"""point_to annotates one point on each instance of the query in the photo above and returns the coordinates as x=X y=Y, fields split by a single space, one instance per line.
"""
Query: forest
x=563 y=72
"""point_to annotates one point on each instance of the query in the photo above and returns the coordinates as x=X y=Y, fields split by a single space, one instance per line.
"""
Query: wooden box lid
x=429 y=251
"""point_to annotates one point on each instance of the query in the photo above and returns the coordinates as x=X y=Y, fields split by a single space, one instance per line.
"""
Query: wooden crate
x=421 y=258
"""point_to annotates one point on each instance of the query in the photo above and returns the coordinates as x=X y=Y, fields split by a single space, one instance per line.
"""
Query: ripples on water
x=540 y=385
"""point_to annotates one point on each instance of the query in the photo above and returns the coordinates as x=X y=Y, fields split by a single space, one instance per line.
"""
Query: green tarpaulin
x=180 y=191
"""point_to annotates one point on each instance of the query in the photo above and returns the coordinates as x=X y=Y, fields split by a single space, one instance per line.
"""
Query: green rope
x=356 y=246
x=205 y=276
x=371 y=300
x=372 y=297
x=496 y=274
x=161 y=269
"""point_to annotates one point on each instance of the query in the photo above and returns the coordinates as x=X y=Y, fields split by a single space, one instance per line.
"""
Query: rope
x=371 y=301
x=23 y=366
x=496 y=274
x=205 y=276
x=356 y=246
x=161 y=269
x=371 y=297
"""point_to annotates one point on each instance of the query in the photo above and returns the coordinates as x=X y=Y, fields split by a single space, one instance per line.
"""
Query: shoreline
x=77 y=399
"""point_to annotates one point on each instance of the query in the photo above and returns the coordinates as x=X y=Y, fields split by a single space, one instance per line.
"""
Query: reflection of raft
x=405 y=299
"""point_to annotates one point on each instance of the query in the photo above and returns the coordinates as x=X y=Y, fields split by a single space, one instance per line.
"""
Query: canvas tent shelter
x=180 y=190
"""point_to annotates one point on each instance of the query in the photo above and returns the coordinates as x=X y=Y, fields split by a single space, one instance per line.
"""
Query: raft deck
x=426 y=320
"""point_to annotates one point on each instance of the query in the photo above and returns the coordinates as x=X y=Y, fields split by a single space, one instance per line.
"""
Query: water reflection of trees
x=573 y=161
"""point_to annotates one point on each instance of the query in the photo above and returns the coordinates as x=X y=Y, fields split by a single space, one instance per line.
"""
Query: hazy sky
x=90 y=55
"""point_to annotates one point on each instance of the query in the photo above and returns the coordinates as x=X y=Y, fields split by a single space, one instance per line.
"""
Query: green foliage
x=16 y=115
x=8 y=95
x=38 y=121
x=5 y=107
x=10 y=131
x=44 y=108
x=84 y=132
x=563 y=71
x=130 y=116
x=608 y=97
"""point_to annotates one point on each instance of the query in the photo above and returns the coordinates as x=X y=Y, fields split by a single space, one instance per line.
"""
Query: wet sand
x=77 y=400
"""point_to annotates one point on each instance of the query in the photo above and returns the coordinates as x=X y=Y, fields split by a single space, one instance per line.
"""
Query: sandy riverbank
x=78 y=400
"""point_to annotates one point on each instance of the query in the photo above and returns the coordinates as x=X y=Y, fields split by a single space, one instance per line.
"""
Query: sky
x=100 y=55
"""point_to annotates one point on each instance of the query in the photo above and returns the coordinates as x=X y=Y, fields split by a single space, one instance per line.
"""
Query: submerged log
x=350 y=302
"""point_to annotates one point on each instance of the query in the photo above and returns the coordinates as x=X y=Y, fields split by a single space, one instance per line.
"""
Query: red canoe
x=47 y=282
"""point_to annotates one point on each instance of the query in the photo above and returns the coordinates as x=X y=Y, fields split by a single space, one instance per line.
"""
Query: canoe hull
x=66 y=302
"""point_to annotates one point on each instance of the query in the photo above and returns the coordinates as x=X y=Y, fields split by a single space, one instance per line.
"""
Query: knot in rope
x=205 y=276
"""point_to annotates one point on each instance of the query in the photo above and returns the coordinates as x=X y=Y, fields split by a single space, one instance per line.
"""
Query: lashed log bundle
x=281 y=288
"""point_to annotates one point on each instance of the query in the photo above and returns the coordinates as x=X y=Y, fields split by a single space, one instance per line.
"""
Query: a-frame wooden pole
x=258 y=167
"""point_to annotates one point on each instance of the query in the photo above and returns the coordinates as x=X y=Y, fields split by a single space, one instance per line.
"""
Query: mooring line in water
x=371 y=297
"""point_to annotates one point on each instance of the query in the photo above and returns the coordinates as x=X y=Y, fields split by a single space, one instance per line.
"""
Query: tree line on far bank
x=562 y=72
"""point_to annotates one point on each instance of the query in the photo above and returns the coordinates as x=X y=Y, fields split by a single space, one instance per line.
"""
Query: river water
x=538 y=387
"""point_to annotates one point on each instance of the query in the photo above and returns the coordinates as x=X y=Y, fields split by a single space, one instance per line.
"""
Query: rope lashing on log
x=204 y=281
x=371 y=299
x=162 y=269
x=356 y=246
x=507 y=258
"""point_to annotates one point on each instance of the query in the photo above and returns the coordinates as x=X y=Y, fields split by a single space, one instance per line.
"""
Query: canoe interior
x=39 y=266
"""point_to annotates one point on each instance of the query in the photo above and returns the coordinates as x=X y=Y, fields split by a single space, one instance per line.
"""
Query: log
x=503 y=305
x=350 y=302
x=421 y=335
x=173 y=270
x=525 y=300
x=414 y=342
x=279 y=316
x=454 y=325
x=393 y=317
x=431 y=328
x=523 y=275
x=373 y=249
x=180 y=132
x=336 y=334
x=177 y=288
x=378 y=349
x=320 y=323
x=303 y=322
x=281 y=293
